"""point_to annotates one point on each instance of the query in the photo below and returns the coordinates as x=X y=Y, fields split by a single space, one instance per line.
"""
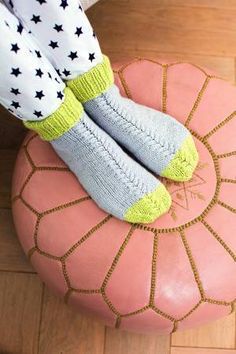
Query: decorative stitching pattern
x=219 y=239
x=220 y=125
x=86 y=236
x=126 y=89
x=218 y=302
x=153 y=270
x=226 y=206
x=164 y=87
x=163 y=314
x=156 y=232
x=191 y=311
x=118 y=255
x=185 y=192
x=227 y=154
x=228 y=180
x=198 y=100
x=193 y=265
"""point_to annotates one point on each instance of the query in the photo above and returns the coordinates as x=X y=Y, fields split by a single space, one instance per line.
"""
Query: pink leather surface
x=176 y=273
x=167 y=273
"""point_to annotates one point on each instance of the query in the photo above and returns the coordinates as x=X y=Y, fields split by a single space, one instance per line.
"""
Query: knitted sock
x=159 y=141
x=117 y=183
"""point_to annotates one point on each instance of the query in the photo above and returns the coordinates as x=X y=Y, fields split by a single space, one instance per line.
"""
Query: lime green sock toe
x=184 y=162
x=150 y=207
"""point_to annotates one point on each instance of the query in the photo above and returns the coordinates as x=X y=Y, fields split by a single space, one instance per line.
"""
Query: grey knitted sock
x=159 y=141
x=117 y=183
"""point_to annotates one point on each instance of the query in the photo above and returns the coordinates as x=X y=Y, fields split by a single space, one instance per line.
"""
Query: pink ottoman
x=173 y=274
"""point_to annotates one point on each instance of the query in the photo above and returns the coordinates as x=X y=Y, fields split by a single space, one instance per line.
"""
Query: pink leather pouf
x=173 y=274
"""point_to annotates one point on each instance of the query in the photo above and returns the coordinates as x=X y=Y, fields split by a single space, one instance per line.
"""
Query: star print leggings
x=43 y=43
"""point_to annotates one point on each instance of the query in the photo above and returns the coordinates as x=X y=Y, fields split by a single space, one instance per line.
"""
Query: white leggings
x=43 y=43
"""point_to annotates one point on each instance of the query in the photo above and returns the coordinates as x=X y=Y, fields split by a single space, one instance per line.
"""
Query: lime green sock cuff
x=94 y=82
x=62 y=120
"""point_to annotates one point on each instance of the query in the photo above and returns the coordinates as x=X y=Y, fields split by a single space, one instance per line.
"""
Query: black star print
x=66 y=72
x=15 y=71
x=39 y=94
x=15 y=91
x=36 y=19
x=78 y=31
x=58 y=71
x=64 y=4
x=10 y=110
x=38 y=114
x=58 y=28
x=49 y=75
x=15 y=104
x=80 y=8
x=91 y=56
x=56 y=79
x=15 y=48
x=38 y=53
x=60 y=95
x=42 y=2
x=73 y=55
x=53 y=45
x=20 y=28
x=39 y=72
x=6 y=23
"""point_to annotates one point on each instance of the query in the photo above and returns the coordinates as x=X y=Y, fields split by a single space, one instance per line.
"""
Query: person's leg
x=31 y=89
x=63 y=31
x=28 y=81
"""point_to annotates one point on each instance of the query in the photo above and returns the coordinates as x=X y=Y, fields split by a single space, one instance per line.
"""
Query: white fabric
x=88 y=3
x=30 y=88
x=39 y=30
x=76 y=39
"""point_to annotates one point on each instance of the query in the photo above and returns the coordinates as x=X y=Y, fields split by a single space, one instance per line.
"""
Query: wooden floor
x=31 y=319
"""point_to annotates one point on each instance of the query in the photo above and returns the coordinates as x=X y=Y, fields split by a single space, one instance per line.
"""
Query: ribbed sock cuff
x=94 y=82
x=62 y=120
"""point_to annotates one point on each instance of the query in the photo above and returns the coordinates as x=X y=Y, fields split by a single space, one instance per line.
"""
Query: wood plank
x=12 y=130
x=7 y=160
x=12 y=257
x=120 y=342
x=196 y=30
x=183 y=350
x=64 y=330
x=226 y=4
x=219 y=334
x=20 y=299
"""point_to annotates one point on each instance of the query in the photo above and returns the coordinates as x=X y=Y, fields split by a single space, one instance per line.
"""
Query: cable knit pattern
x=117 y=183
x=156 y=139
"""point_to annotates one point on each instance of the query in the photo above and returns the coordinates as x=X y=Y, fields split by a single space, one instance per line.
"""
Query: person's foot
x=117 y=183
x=156 y=139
